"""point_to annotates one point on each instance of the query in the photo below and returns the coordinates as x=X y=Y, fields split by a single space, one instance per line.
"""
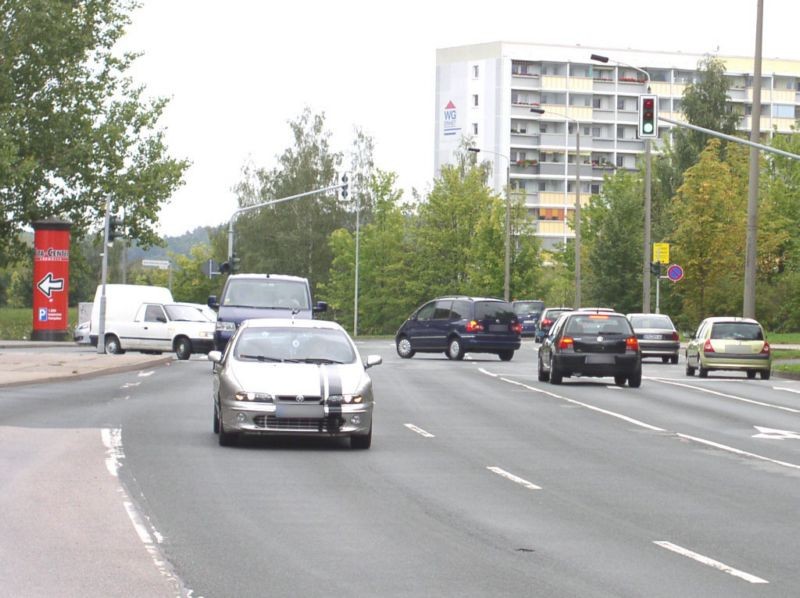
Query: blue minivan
x=247 y=296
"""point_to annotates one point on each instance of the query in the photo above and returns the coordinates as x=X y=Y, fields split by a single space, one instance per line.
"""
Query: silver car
x=657 y=336
x=292 y=377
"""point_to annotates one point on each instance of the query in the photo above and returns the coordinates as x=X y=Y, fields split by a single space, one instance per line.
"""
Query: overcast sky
x=237 y=71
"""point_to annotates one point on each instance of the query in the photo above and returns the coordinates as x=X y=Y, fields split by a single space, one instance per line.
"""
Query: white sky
x=237 y=71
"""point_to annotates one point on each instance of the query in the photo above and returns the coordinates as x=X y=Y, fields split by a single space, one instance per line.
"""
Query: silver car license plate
x=310 y=411
x=599 y=359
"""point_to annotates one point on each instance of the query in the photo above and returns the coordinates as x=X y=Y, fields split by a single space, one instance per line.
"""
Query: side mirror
x=215 y=356
x=320 y=306
x=373 y=360
x=212 y=302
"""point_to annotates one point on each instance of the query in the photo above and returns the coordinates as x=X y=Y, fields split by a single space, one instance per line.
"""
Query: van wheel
x=183 y=347
x=404 y=349
x=455 y=349
x=113 y=345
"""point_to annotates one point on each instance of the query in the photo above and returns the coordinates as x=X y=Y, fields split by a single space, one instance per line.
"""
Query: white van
x=123 y=302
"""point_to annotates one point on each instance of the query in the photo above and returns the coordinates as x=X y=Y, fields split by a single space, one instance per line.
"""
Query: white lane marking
x=419 y=431
x=773 y=434
x=794 y=390
x=630 y=420
x=513 y=478
x=710 y=562
x=112 y=440
x=487 y=372
x=736 y=451
x=146 y=374
x=129 y=384
x=727 y=396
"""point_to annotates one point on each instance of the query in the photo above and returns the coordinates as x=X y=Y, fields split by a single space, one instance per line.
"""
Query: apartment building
x=486 y=91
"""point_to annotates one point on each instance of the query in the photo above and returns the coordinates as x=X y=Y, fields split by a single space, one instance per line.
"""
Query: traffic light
x=655 y=268
x=231 y=266
x=235 y=261
x=648 y=117
x=115 y=231
x=344 y=186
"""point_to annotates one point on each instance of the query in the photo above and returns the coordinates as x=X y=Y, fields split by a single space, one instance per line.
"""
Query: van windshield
x=266 y=294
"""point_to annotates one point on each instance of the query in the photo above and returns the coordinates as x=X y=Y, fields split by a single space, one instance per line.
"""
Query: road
x=481 y=481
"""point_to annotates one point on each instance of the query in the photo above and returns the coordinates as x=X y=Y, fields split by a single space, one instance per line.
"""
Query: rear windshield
x=554 y=313
x=740 y=331
x=494 y=310
x=599 y=324
x=266 y=293
x=528 y=307
x=651 y=321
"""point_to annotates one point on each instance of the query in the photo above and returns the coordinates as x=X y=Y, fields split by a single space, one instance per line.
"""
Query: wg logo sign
x=451 y=119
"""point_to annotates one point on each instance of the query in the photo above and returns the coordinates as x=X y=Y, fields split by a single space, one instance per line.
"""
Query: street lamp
x=577 y=200
x=507 y=267
x=647 y=195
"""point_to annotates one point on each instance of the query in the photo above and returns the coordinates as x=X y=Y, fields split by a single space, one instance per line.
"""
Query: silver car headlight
x=352 y=399
x=254 y=397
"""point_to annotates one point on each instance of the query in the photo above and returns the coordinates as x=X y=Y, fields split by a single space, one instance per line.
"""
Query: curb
x=92 y=374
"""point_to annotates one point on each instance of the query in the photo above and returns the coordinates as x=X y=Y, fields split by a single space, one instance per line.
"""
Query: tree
x=74 y=129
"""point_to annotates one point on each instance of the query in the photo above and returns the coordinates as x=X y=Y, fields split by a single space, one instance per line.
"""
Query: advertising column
x=51 y=280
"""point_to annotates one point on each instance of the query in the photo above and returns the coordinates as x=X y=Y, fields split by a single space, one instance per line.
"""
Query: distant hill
x=180 y=245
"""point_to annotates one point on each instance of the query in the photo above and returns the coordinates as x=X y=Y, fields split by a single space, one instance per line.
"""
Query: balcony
x=525 y=140
x=525 y=167
x=631 y=145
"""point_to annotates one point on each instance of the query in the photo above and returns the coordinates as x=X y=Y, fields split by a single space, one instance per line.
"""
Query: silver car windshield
x=266 y=293
x=294 y=345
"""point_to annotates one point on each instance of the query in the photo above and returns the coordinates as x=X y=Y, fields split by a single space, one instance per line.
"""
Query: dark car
x=591 y=344
x=528 y=311
x=457 y=325
x=547 y=319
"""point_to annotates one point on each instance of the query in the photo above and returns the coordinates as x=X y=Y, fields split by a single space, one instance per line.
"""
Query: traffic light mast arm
x=270 y=203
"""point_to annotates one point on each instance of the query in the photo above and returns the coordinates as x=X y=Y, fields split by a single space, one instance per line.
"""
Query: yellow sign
x=661 y=253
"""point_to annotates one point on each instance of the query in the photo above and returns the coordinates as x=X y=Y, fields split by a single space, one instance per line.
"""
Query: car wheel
x=404 y=349
x=702 y=372
x=674 y=359
x=454 y=349
x=620 y=380
x=543 y=376
x=506 y=355
x=665 y=359
x=751 y=374
x=635 y=380
x=113 y=345
x=216 y=421
x=183 y=347
x=689 y=369
x=225 y=438
x=361 y=441
x=765 y=374
x=555 y=374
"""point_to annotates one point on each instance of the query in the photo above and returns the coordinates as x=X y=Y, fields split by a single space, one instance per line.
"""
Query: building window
x=596 y=131
x=475 y=99
x=475 y=71
x=474 y=128
x=595 y=188
x=619 y=161
x=783 y=110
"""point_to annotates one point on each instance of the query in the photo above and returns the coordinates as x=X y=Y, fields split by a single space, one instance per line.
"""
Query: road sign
x=160 y=264
x=661 y=253
x=674 y=272
x=210 y=268
x=48 y=284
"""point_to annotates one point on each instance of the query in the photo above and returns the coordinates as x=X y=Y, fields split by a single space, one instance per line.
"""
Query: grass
x=16 y=323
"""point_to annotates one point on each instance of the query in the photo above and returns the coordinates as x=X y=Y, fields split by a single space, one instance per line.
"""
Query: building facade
x=486 y=92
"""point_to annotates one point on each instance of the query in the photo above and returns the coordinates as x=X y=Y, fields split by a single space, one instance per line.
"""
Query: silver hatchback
x=657 y=336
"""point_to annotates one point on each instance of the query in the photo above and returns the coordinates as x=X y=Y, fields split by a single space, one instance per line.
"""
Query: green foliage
x=74 y=129
x=16 y=323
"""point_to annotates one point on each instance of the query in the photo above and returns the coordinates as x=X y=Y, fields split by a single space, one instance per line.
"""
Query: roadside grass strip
x=709 y=562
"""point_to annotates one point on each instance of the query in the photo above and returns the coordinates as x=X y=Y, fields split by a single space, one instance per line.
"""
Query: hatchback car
x=546 y=320
x=458 y=325
x=292 y=377
x=591 y=344
x=657 y=336
x=528 y=311
x=729 y=343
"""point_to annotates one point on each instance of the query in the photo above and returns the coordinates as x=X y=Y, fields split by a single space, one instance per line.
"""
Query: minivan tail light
x=765 y=349
x=474 y=326
x=567 y=343
x=631 y=344
x=707 y=347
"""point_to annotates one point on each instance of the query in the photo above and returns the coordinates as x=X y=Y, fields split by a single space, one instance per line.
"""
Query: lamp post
x=577 y=200
x=507 y=265
x=647 y=195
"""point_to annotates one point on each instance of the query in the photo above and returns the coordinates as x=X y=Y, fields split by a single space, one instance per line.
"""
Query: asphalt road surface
x=481 y=481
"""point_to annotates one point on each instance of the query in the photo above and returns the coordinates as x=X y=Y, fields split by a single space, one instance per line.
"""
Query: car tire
x=361 y=441
x=113 y=345
x=183 y=348
x=555 y=374
x=225 y=438
x=404 y=349
x=543 y=376
x=751 y=374
x=216 y=421
x=665 y=359
x=455 y=350
x=635 y=381
x=506 y=355
x=674 y=359
x=689 y=369
x=620 y=380
x=702 y=372
x=765 y=374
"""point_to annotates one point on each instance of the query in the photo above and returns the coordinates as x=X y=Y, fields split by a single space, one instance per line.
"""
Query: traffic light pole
x=101 y=324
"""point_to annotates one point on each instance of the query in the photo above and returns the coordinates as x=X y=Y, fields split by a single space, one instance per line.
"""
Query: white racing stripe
x=419 y=431
x=513 y=478
x=725 y=395
x=709 y=562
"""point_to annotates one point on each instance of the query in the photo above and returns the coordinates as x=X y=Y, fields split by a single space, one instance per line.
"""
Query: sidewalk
x=29 y=362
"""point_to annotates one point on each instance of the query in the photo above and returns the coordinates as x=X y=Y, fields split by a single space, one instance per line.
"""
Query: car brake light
x=765 y=348
x=707 y=348
x=516 y=327
x=546 y=322
x=474 y=326
x=631 y=344
x=675 y=336
x=566 y=343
